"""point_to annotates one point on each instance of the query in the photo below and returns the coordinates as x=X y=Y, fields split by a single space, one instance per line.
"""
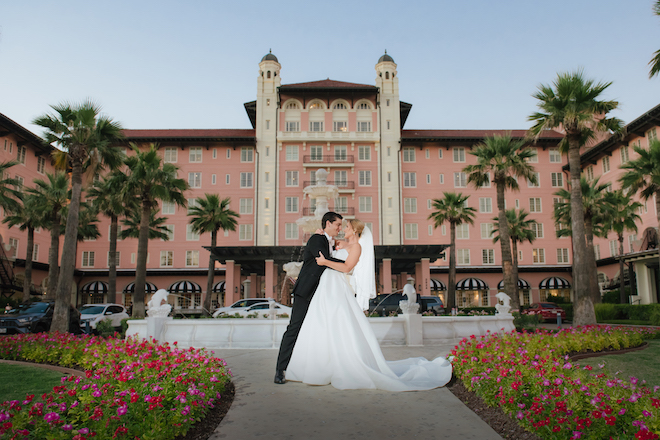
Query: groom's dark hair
x=330 y=217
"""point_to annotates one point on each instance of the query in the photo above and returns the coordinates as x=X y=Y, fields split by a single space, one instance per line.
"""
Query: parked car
x=432 y=304
x=238 y=306
x=95 y=313
x=262 y=309
x=547 y=311
x=35 y=317
x=387 y=304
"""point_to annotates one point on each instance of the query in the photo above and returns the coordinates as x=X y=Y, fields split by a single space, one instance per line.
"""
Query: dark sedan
x=35 y=317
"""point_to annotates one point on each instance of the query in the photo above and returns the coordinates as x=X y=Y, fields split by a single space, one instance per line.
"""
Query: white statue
x=292 y=269
x=410 y=305
x=158 y=305
x=505 y=307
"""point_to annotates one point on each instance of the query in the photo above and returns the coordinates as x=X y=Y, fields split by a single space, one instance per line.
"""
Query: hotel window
x=364 y=178
x=291 y=153
x=119 y=229
x=462 y=231
x=597 y=251
x=487 y=230
x=169 y=231
x=428 y=178
x=590 y=172
x=315 y=125
x=41 y=165
x=316 y=153
x=530 y=184
x=213 y=179
x=291 y=204
x=340 y=126
x=429 y=203
x=191 y=235
x=555 y=155
x=427 y=153
x=192 y=258
x=439 y=153
x=442 y=179
x=35 y=252
x=339 y=106
x=389 y=202
x=20 y=154
x=443 y=228
x=460 y=180
x=614 y=248
x=651 y=134
x=227 y=179
x=408 y=154
x=245 y=206
x=215 y=153
x=291 y=231
x=364 y=106
x=117 y=259
x=488 y=256
x=268 y=122
x=88 y=259
x=534 y=158
x=228 y=155
x=411 y=231
x=459 y=154
x=631 y=242
x=166 y=258
x=557 y=180
x=292 y=178
x=247 y=154
x=341 y=178
x=267 y=203
x=606 y=164
x=292 y=126
x=535 y=204
x=463 y=256
x=365 y=204
x=410 y=180
x=341 y=205
x=192 y=204
x=520 y=256
x=19 y=183
x=625 y=157
x=537 y=229
x=410 y=205
x=195 y=154
x=364 y=152
x=340 y=153
x=245 y=232
x=388 y=125
x=389 y=228
x=539 y=256
x=246 y=180
x=266 y=229
x=562 y=256
x=195 y=180
x=292 y=105
x=430 y=229
x=169 y=208
x=485 y=204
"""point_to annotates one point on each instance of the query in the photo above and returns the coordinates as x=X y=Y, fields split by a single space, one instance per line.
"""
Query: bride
x=336 y=344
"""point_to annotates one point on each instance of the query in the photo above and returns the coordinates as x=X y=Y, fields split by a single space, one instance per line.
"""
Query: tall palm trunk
x=211 y=276
x=584 y=310
x=451 y=288
x=53 y=257
x=622 y=290
x=112 y=264
x=514 y=271
x=141 y=271
x=591 y=262
x=63 y=295
x=505 y=246
x=657 y=209
x=27 y=282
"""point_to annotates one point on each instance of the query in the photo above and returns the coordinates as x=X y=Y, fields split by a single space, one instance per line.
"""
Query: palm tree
x=51 y=196
x=10 y=196
x=157 y=228
x=593 y=193
x=574 y=106
x=210 y=215
x=88 y=139
x=107 y=200
x=621 y=216
x=655 y=61
x=27 y=218
x=520 y=231
x=507 y=160
x=453 y=210
x=149 y=181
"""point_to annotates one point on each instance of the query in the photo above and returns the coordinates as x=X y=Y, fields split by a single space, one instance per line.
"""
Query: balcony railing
x=341 y=184
x=329 y=158
x=339 y=210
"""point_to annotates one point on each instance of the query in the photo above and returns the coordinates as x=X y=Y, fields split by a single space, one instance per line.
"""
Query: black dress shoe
x=279 y=377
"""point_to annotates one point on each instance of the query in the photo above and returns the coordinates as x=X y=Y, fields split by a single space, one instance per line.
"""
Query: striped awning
x=95 y=288
x=437 y=285
x=219 y=287
x=185 y=287
x=553 y=283
x=522 y=285
x=148 y=288
x=471 y=284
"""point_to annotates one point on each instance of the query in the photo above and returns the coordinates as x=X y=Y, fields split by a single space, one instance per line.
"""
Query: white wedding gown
x=337 y=346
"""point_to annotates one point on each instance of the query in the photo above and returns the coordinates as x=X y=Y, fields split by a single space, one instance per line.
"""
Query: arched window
x=364 y=106
x=387 y=75
x=315 y=106
x=339 y=106
x=292 y=105
x=268 y=74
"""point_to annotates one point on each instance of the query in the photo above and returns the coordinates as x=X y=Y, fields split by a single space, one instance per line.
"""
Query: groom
x=308 y=281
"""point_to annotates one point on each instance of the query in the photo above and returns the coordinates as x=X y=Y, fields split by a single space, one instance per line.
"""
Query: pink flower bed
x=133 y=389
x=530 y=376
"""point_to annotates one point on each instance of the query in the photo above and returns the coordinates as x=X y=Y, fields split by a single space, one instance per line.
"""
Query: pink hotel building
x=387 y=177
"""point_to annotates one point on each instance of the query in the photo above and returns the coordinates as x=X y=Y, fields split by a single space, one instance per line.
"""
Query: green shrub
x=524 y=321
x=655 y=316
x=611 y=297
x=558 y=299
x=105 y=328
x=477 y=311
x=605 y=312
x=568 y=308
x=124 y=327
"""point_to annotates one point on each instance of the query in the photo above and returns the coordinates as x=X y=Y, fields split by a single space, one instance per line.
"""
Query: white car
x=239 y=305
x=263 y=309
x=95 y=313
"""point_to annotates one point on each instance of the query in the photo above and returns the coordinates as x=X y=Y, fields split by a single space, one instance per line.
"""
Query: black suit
x=303 y=291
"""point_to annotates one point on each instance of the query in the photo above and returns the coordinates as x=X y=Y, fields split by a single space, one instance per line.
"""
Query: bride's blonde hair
x=357 y=225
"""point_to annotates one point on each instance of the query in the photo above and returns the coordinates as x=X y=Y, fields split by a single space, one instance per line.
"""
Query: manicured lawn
x=641 y=364
x=624 y=322
x=17 y=381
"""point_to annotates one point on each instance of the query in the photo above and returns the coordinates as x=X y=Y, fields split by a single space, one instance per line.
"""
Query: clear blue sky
x=462 y=64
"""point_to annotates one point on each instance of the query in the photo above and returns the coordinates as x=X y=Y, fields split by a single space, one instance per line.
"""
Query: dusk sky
x=462 y=64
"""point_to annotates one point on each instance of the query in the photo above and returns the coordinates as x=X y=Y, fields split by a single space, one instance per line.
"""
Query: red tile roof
x=190 y=133
x=327 y=84
x=472 y=134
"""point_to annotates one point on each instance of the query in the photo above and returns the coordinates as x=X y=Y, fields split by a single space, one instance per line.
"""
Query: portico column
x=269 y=278
x=386 y=274
x=419 y=280
x=237 y=284
x=230 y=283
x=403 y=280
x=254 y=288
x=426 y=276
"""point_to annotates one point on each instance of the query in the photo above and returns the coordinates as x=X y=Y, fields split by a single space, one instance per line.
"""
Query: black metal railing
x=330 y=158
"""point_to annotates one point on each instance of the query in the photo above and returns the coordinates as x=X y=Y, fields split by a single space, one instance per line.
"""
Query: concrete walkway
x=262 y=409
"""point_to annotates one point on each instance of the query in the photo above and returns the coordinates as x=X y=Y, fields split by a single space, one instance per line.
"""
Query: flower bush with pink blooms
x=530 y=376
x=133 y=389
